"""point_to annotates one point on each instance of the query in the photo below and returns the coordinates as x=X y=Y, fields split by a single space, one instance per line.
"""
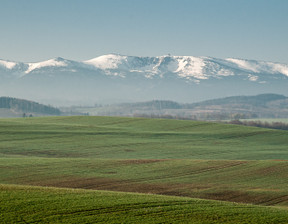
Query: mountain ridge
x=184 y=65
x=120 y=78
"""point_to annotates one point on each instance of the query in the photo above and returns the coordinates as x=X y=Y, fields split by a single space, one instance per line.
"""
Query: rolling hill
x=187 y=158
x=228 y=108
x=191 y=159
x=24 y=204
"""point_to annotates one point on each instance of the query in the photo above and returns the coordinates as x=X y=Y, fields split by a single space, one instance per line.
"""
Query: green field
x=190 y=159
x=24 y=204
x=138 y=138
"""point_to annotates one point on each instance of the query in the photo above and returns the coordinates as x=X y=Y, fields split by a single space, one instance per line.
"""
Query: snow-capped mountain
x=114 y=76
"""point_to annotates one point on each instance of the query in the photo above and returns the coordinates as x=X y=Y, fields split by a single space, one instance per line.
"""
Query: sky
x=34 y=30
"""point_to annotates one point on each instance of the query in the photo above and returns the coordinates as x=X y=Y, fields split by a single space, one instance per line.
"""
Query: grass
x=22 y=204
x=257 y=182
x=168 y=157
x=136 y=138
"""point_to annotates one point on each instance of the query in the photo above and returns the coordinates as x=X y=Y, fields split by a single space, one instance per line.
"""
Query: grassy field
x=257 y=182
x=137 y=138
x=22 y=204
x=168 y=157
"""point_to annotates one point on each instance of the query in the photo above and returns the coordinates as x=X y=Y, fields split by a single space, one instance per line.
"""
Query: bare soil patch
x=187 y=190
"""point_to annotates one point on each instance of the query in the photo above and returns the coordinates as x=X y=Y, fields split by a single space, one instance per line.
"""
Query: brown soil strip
x=187 y=190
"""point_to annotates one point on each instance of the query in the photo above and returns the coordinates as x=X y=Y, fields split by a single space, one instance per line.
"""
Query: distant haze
x=118 y=78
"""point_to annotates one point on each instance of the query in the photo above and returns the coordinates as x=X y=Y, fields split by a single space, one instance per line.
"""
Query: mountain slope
x=129 y=78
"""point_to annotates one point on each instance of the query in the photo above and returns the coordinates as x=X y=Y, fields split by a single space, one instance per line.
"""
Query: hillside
x=258 y=100
x=259 y=106
x=13 y=107
x=171 y=157
x=23 y=204
x=192 y=159
x=236 y=107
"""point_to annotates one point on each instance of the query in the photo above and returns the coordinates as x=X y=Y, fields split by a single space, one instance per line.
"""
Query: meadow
x=179 y=160
x=24 y=204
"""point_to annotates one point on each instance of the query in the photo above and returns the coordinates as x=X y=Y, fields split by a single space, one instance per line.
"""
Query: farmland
x=172 y=158
x=54 y=205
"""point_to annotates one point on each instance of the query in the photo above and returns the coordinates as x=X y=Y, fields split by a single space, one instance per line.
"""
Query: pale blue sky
x=35 y=30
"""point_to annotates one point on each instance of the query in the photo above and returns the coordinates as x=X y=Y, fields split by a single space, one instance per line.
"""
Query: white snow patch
x=49 y=63
x=136 y=71
x=245 y=64
x=281 y=68
x=189 y=66
x=261 y=66
x=110 y=61
x=7 y=64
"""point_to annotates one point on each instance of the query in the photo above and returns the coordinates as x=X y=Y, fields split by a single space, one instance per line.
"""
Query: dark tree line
x=27 y=106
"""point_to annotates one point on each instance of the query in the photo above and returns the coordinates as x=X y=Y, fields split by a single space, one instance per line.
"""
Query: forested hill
x=235 y=107
x=258 y=100
x=26 y=106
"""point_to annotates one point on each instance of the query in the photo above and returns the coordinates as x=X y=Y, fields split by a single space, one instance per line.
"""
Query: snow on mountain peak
x=55 y=62
x=185 y=67
x=280 y=68
x=8 y=64
x=189 y=66
x=260 y=66
x=109 y=61
x=244 y=64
